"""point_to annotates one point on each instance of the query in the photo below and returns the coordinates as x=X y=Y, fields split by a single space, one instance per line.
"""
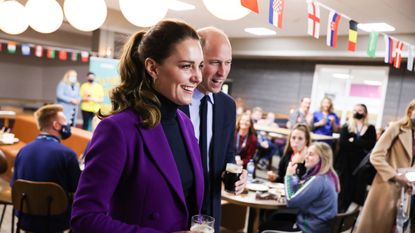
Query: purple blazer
x=131 y=182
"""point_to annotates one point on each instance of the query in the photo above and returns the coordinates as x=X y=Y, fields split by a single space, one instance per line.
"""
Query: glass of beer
x=203 y=223
x=232 y=174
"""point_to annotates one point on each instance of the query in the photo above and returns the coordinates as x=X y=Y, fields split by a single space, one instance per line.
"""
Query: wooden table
x=285 y=132
x=249 y=200
x=10 y=150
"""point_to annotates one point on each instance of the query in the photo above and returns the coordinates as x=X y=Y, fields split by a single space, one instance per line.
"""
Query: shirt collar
x=198 y=95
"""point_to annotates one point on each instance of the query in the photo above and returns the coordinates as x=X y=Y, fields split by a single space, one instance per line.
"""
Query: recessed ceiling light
x=341 y=76
x=372 y=83
x=376 y=27
x=177 y=5
x=260 y=31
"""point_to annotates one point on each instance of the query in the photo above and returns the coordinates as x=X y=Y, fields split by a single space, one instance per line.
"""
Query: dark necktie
x=203 y=111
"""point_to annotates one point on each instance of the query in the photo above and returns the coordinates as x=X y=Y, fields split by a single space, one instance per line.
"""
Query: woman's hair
x=326 y=162
x=352 y=122
x=65 y=78
x=136 y=89
x=330 y=101
x=251 y=127
x=301 y=127
x=406 y=120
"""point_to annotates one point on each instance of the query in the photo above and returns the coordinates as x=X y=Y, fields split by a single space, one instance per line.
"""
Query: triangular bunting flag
x=51 y=53
x=11 y=47
x=250 y=4
x=332 y=28
x=25 y=49
x=410 y=64
x=84 y=56
x=276 y=8
x=63 y=55
x=38 y=51
x=398 y=54
x=313 y=21
x=74 y=56
x=373 y=42
x=352 y=36
x=388 y=49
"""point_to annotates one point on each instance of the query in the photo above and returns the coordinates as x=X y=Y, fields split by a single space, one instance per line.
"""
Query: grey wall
x=278 y=85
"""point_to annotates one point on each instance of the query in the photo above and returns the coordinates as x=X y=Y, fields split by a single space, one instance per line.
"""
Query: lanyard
x=238 y=147
x=47 y=138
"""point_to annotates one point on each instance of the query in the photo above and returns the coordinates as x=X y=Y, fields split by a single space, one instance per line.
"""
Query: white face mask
x=72 y=79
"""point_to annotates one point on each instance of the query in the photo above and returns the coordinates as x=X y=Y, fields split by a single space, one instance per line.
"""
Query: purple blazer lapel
x=160 y=151
x=194 y=153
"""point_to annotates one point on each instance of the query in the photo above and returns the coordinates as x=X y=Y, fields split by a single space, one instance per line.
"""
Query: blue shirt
x=326 y=129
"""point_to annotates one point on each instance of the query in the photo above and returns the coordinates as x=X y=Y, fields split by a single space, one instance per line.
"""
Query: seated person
x=245 y=139
x=315 y=194
x=265 y=150
x=46 y=159
x=301 y=115
x=295 y=151
x=269 y=121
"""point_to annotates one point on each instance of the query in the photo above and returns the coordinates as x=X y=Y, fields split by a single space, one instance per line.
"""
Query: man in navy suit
x=220 y=119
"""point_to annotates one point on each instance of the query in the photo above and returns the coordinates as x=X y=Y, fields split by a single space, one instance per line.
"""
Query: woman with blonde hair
x=326 y=121
x=67 y=94
x=314 y=194
x=395 y=149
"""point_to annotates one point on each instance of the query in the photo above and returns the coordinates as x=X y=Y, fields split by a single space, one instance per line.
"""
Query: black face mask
x=90 y=80
x=65 y=132
x=358 y=116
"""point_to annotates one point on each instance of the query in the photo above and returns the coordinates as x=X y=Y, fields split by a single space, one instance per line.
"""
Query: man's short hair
x=89 y=73
x=46 y=115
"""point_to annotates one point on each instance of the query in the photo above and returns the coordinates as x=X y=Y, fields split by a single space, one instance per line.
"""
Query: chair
x=38 y=198
x=7 y=119
x=5 y=190
x=345 y=221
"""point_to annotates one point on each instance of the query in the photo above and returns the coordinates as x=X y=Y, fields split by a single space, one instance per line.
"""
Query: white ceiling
x=398 y=13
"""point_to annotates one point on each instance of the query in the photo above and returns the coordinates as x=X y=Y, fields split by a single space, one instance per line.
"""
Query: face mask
x=90 y=80
x=72 y=79
x=65 y=132
x=413 y=120
x=358 y=116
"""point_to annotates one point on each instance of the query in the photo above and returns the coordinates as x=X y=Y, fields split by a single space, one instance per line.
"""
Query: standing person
x=326 y=121
x=143 y=171
x=92 y=95
x=218 y=111
x=314 y=194
x=395 y=149
x=46 y=159
x=302 y=114
x=357 y=138
x=67 y=95
x=245 y=139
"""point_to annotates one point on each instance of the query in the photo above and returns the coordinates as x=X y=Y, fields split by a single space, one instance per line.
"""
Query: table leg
x=253 y=220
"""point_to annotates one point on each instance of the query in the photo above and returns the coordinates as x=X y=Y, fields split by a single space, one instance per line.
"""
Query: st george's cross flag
x=410 y=64
x=388 y=49
x=398 y=54
x=38 y=51
x=276 y=8
x=352 y=36
x=313 y=21
x=332 y=28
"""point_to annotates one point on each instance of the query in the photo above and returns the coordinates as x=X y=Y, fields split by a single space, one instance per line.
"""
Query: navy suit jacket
x=222 y=146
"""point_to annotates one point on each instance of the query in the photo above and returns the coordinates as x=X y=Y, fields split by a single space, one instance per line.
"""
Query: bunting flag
x=11 y=47
x=352 y=36
x=63 y=55
x=332 y=28
x=388 y=49
x=313 y=21
x=373 y=42
x=398 y=54
x=74 y=56
x=25 y=49
x=38 y=51
x=276 y=8
x=410 y=64
x=84 y=56
x=250 y=4
x=51 y=53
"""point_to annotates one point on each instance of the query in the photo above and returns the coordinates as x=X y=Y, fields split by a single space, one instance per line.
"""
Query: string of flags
x=27 y=49
x=393 y=54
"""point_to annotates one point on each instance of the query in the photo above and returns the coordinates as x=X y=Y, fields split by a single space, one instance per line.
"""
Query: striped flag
x=63 y=55
x=51 y=53
x=25 y=49
x=74 y=56
x=398 y=54
x=352 y=36
x=332 y=28
x=276 y=8
x=38 y=51
x=388 y=49
x=410 y=64
x=313 y=21
x=250 y=4
x=84 y=56
x=11 y=47
x=373 y=43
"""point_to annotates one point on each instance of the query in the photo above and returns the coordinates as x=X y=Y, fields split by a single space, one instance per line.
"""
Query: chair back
x=345 y=221
x=39 y=198
x=3 y=163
